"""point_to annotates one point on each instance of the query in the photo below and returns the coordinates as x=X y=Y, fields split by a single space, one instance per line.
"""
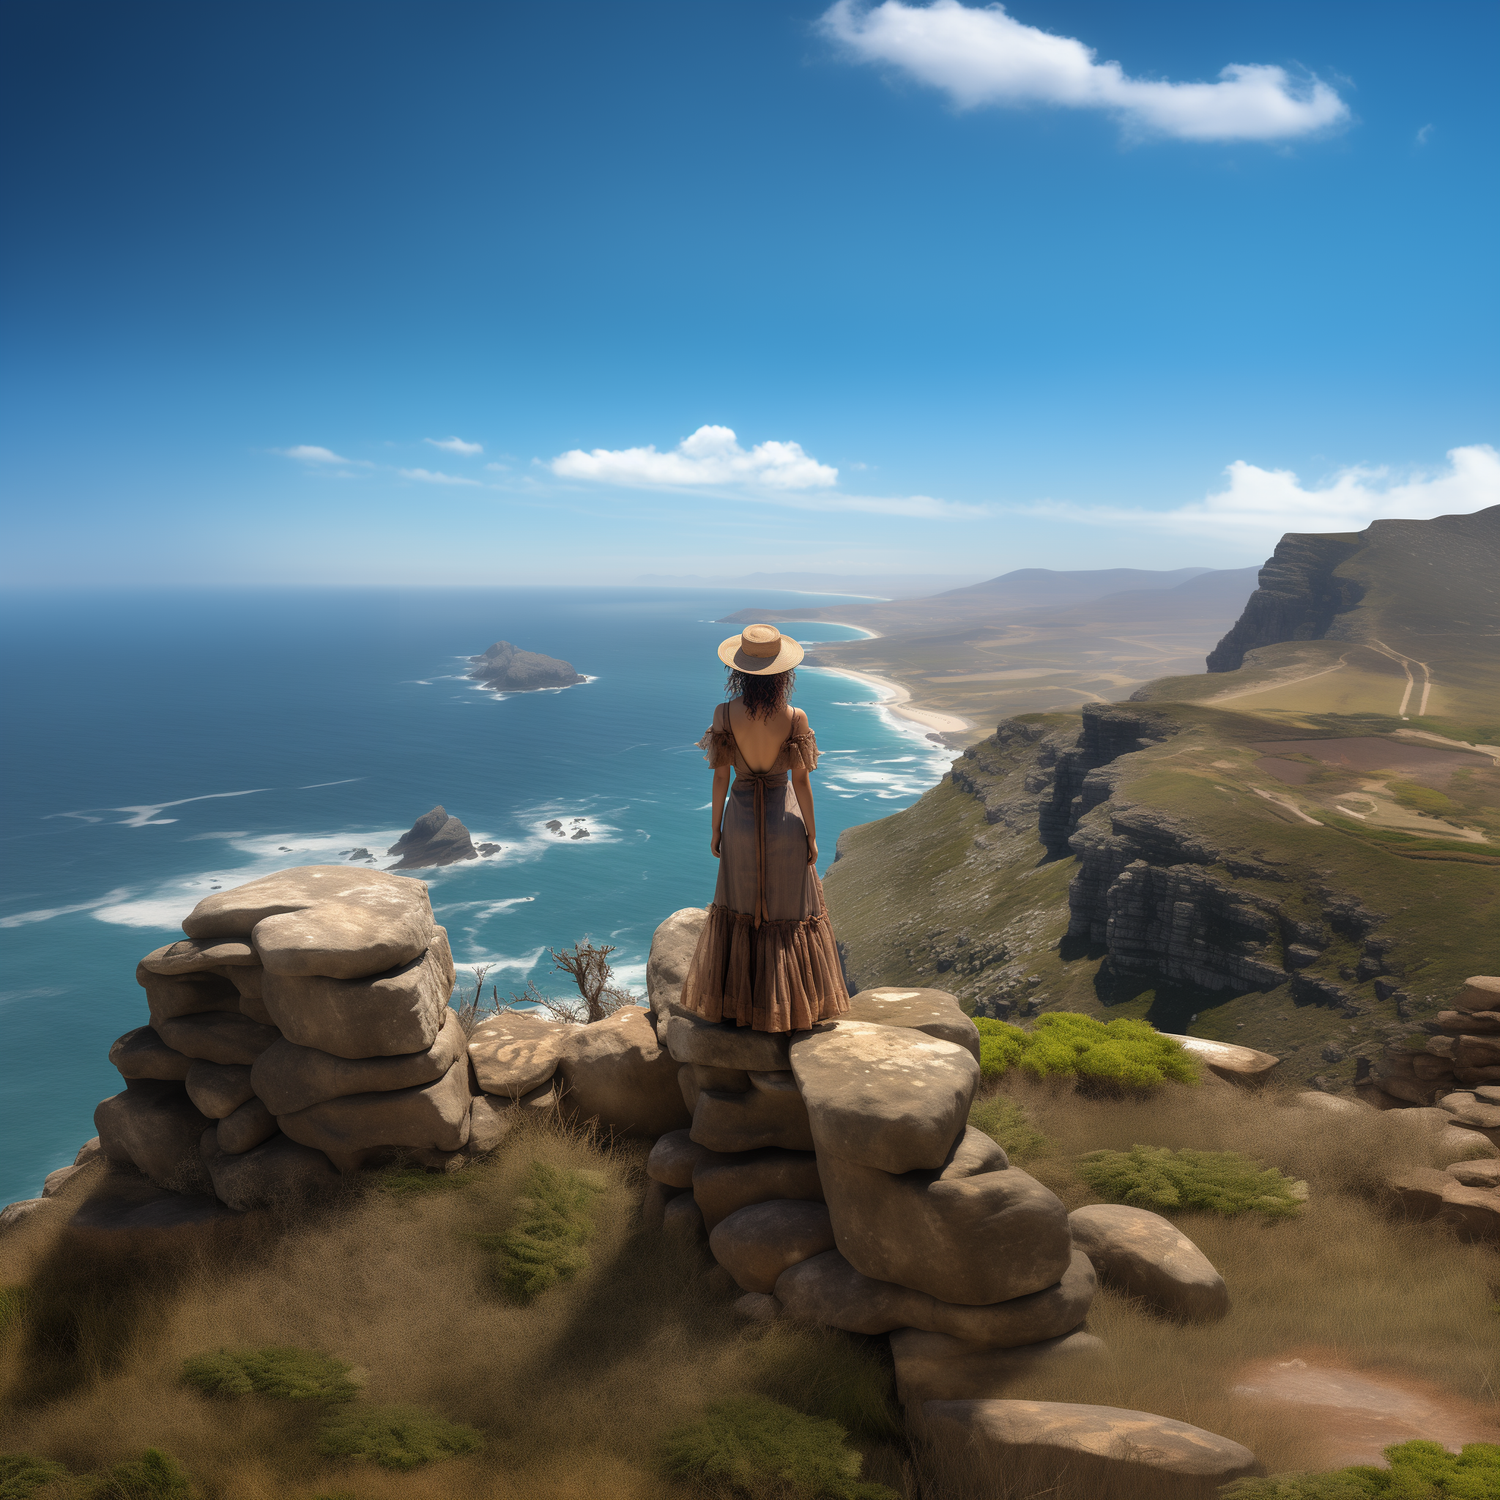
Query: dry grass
x=572 y=1394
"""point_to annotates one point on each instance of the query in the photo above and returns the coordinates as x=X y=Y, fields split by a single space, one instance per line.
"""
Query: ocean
x=160 y=746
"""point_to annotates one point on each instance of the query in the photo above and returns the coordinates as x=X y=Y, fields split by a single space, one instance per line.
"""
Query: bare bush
x=598 y=995
x=471 y=1008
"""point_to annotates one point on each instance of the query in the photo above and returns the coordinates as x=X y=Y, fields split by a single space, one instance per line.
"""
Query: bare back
x=761 y=740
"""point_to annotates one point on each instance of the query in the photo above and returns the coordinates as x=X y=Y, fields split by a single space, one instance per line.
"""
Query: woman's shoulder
x=800 y=724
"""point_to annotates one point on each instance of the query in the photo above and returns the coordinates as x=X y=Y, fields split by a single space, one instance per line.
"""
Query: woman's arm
x=721 y=791
x=803 y=788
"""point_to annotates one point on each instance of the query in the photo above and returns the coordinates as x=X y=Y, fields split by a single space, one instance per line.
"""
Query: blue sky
x=363 y=292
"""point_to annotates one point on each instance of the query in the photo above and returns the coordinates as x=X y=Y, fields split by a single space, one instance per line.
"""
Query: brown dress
x=766 y=956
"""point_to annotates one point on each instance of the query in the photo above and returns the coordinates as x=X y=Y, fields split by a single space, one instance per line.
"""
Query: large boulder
x=1481 y=993
x=186 y=956
x=333 y=920
x=974 y=1230
x=674 y=1157
x=883 y=1097
x=382 y=1015
x=826 y=1289
x=935 y=1012
x=724 y=1184
x=142 y=1054
x=170 y=995
x=434 y=1117
x=220 y=1036
x=672 y=947
x=218 y=1089
x=938 y=1367
x=290 y=1077
x=516 y=1051
x=614 y=1071
x=248 y=1126
x=1243 y=1065
x=1143 y=1254
x=770 y=1113
x=723 y=1045
x=1477 y=1051
x=154 y=1127
x=756 y=1244
x=1096 y=1447
x=276 y=1174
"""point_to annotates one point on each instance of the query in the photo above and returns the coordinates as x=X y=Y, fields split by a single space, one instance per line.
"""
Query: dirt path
x=1406 y=664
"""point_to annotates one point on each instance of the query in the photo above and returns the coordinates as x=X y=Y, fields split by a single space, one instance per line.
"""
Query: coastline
x=897 y=701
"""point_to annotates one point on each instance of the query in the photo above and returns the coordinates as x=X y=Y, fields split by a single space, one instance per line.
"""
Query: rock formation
x=434 y=839
x=507 y=669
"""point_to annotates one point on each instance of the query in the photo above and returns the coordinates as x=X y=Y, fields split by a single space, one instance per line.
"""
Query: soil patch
x=1363 y=753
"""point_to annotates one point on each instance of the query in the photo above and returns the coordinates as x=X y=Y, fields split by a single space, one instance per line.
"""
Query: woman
x=766 y=956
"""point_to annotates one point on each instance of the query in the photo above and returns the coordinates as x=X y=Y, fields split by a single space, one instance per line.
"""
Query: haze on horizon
x=463 y=293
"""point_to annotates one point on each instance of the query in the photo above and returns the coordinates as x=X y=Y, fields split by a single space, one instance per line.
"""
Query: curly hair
x=762 y=694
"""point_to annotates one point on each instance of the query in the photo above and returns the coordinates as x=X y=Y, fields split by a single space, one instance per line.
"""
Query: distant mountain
x=1027 y=588
x=870 y=585
x=1217 y=594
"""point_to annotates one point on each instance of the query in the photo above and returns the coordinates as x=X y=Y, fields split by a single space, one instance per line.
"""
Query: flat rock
x=935 y=1012
x=186 y=956
x=1098 y=1445
x=142 y=1054
x=975 y=1230
x=218 y=1089
x=1478 y=1174
x=673 y=1158
x=280 y=1173
x=516 y=1052
x=771 y=1113
x=1228 y=1060
x=1488 y=1093
x=721 y=1044
x=884 y=1097
x=722 y=1184
x=221 y=1036
x=1145 y=1255
x=387 y=1014
x=1470 y=1109
x=247 y=1127
x=1481 y=993
x=1476 y=1022
x=756 y=1244
x=672 y=947
x=335 y=920
x=937 y=1367
x=1458 y=1143
x=616 y=1073
x=433 y=1117
x=169 y=995
x=1476 y=1051
x=1329 y=1104
x=826 y=1289
x=154 y=1127
x=290 y=1077
x=434 y=839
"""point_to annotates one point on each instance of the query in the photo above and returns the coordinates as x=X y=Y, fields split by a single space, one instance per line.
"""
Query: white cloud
x=1263 y=503
x=456 y=445
x=1424 y=135
x=711 y=457
x=984 y=57
x=311 y=453
x=436 y=476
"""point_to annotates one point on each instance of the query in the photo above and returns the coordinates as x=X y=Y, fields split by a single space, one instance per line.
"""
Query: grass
x=21 y=1475
x=1220 y=1182
x=1418 y=1471
x=546 y=1247
x=287 y=1373
x=759 y=1449
x=1126 y=1054
x=395 y=1437
x=153 y=1476
x=1009 y=1126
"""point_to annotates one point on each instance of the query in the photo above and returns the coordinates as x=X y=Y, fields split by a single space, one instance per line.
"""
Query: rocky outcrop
x=434 y=839
x=1145 y=1256
x=508 y=669
x=1299 y=598
x=1420 y=1070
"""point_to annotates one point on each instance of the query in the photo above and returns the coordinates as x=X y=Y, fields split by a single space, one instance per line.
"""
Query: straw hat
x=760 y=650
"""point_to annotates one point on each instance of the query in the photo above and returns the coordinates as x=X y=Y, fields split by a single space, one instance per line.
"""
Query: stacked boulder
x=1459 y=1055
x=302 y=1029
x=837 y=1180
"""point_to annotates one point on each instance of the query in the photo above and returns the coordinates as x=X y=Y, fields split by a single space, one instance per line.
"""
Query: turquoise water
x=160 y=746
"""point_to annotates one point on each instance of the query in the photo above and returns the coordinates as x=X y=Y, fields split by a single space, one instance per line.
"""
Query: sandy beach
x=897 y=700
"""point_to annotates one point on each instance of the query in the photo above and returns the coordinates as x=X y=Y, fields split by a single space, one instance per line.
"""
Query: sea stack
x=434 y=839
x=507 y=669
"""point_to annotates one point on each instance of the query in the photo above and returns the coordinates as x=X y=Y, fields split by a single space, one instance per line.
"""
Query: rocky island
x=508 y=669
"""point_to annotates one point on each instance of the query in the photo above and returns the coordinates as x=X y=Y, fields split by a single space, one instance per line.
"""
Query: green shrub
x=1009 y=1126
x=416 y=1182
x=12 y=1305
x=836 y=1377
x=1221 y=1182
x=291 y=1374
x=546 y=1247
x=755 y=1447
x=395 y=1437
x=153 y=1476
x=1422 y=798
x=1120 y=1054
x=1418 y=1471
x=21 y=1475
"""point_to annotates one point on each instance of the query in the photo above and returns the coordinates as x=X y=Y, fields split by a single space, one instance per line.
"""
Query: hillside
x=1231 y=853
